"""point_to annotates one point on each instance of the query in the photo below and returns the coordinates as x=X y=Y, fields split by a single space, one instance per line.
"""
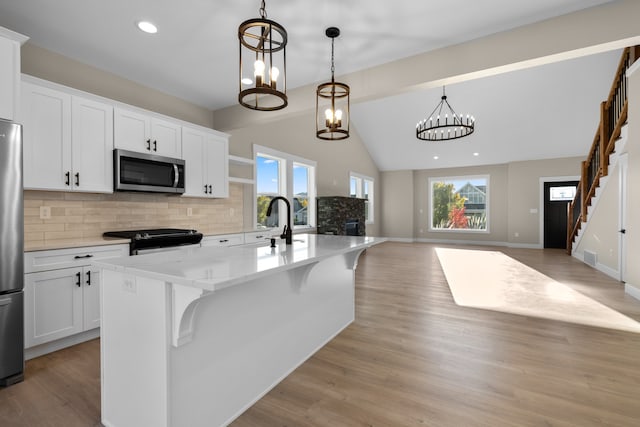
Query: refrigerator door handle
x=5 y=301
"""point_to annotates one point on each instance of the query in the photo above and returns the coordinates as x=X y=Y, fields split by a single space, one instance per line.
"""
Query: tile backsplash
x=88 y=215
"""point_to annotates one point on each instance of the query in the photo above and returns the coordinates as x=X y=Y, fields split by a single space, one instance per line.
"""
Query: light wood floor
x=411 y=358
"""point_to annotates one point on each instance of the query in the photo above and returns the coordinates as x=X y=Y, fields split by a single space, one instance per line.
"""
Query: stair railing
x=613 y=115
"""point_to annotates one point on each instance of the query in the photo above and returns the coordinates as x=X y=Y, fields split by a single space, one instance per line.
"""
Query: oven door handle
x=176 y=175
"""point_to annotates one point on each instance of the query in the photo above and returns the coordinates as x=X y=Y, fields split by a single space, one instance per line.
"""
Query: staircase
x=595 y=169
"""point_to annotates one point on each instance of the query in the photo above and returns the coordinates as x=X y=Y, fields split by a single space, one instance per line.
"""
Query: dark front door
x=557 y=196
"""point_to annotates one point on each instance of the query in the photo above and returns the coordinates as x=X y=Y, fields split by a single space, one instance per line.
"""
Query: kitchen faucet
x=287 y=233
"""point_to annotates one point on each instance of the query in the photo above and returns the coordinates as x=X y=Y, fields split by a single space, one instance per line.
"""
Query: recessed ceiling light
x=476 y=154
x=147 y=27
x=435 y=157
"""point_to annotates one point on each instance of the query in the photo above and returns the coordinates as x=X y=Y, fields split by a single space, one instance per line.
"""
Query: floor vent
x=590 y=258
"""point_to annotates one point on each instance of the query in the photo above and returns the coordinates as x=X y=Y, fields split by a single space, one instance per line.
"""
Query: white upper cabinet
x=92 y=145
x=9 y=72
x=139 y=132
x=217 y=156
x=46 y=120
x=68 y=141
x=205 y=155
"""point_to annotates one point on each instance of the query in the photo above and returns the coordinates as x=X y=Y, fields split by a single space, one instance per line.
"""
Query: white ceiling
x=194 y=56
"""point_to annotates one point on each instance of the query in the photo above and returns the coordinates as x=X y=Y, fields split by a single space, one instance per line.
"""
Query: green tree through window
x=459 y=203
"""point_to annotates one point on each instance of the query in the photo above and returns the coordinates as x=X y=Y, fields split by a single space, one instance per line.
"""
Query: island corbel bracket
x=300 y=275
x=184 y=301
x=351 y=258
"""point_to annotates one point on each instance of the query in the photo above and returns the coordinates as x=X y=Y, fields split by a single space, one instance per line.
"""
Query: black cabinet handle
x=77 y=179
x=149 y=144
x=205 y=189
x=623 y=231
x=83 y=256
x=224 y=240
x=67 y=177
x=210 y=190
x=155 y=145
x=78 y=281
x=88 y=282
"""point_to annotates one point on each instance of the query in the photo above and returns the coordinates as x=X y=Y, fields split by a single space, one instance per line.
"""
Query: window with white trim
x=362 y=187
x=282 y=174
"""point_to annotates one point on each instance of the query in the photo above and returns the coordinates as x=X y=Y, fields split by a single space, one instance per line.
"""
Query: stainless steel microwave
x=147 y=172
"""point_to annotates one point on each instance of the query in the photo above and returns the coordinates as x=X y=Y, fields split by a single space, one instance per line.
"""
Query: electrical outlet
x=45 y=212
x=189 y=211
x=129 y=285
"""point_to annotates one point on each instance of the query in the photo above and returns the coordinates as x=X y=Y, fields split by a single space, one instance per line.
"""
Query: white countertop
x=215 y=268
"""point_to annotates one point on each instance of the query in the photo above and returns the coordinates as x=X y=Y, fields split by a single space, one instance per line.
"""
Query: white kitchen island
x=196 y=336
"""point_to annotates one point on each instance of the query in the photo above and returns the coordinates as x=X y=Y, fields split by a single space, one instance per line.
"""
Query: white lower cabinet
x=223 y=240
x=60 y=303
x=259 y=236
x=62 y=292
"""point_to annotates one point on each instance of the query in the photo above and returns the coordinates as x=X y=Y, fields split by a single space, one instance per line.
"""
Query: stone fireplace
x=344 y=216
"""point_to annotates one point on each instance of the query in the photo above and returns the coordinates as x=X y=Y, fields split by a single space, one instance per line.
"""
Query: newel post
x=584 y=192
x=603 y=170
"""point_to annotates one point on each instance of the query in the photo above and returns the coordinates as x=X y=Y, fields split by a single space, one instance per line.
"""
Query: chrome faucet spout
x=287 y=233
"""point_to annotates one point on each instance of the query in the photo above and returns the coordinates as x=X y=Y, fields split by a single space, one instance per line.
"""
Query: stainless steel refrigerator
x=11 y=255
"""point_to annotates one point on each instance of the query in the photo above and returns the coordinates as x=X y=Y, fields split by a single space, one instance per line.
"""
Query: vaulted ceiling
x=194 y=57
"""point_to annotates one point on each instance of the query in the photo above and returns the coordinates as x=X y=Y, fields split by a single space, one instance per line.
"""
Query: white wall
x=632 y=277
x=600 y=234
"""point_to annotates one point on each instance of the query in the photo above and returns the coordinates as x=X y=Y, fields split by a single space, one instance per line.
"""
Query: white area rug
x=493 y=281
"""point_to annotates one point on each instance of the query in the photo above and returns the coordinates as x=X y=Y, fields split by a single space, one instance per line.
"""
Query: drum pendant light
x=332 y=103
x=263 y=64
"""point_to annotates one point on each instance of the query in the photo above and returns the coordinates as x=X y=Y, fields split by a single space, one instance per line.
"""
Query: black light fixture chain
x=263 y=10
x=333 y=68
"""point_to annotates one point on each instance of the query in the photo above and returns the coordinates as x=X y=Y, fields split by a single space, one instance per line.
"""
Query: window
x=558 y=194
x=459 y=203
x=279 y=173
x=362 y=187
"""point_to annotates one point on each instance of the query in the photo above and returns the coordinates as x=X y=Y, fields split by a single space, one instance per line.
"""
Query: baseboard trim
x=632 y=290
x=614 y=274
x=401 y=239
x=50 y=347
x=480 y=243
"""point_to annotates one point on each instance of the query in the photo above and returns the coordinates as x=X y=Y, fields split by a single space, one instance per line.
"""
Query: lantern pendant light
x=263 y=64
x=332 y=103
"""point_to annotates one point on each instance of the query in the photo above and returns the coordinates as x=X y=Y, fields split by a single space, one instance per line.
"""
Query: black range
x=156 y=239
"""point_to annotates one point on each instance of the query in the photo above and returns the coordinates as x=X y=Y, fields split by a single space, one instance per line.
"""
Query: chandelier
x=332 y=103
x=444 y=125
x=263 y=63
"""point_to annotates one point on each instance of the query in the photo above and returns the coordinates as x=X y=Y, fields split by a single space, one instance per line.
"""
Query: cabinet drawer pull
x=88 y=282
x=78 y=281
x=149 y=144
x=67 y=177
x=83 y=256
x=259 y=237
x=224 y=240
x=205 y=189
x=210 y=190
x=77 y=179
x=155 y=145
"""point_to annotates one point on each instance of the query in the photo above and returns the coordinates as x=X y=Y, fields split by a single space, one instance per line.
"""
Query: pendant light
x=444 y=124
x=332 y=103
x=263 y=63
